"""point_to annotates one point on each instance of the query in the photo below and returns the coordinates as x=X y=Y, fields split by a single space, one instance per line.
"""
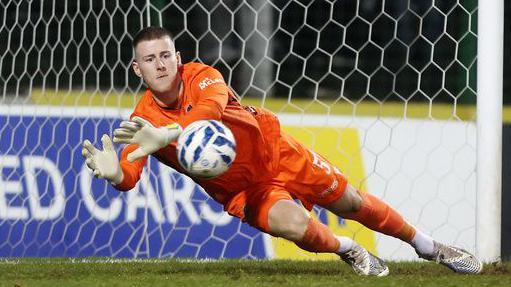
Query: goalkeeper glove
x=148 y=138
x=104 y=163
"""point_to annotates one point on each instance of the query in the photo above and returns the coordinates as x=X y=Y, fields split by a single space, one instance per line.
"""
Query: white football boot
x=454 y=258
x=364 y=263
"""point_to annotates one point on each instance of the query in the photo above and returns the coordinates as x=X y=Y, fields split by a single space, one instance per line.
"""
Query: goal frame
x=490 y=59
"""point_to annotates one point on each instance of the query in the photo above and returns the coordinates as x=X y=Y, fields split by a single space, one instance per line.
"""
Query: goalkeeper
x=270 y=170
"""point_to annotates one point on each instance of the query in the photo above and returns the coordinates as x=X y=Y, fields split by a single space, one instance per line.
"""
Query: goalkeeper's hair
x=151 y=33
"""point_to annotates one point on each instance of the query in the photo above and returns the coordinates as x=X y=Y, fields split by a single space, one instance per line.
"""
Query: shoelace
x=355 y=256
x=447 y=249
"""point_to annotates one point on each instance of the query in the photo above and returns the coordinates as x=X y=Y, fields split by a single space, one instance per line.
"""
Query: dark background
x=396 y=51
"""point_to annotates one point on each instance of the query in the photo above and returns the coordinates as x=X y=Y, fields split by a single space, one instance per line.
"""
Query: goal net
x=385 y=89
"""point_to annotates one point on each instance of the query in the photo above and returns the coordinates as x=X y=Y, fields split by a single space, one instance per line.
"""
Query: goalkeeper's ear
x=136 y=69
x=178 y=59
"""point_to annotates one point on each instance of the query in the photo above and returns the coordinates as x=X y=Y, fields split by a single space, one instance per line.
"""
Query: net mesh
x=385 y=89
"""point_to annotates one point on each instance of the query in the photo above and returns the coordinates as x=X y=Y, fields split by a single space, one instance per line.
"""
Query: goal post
x=490 y=62
x=386 y=90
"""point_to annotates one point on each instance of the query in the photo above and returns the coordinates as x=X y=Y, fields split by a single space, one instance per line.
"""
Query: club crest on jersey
x=207 y=82
x=188 y=108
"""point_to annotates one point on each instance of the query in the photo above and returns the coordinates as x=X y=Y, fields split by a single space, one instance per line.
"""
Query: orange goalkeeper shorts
x=301 y=174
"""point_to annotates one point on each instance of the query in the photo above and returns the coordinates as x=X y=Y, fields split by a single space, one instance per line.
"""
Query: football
x=206 y=149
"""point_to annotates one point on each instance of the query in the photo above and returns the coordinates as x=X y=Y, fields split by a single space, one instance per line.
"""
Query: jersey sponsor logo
x=207 y=82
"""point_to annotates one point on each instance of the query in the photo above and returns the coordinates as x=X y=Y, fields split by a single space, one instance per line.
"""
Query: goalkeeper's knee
x=318 y=238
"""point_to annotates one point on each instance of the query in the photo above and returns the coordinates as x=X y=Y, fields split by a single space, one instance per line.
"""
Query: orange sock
x=379 y=216
x=318 y=238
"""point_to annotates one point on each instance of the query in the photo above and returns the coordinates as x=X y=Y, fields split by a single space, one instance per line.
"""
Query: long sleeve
x=212 y=94
x=130 y=170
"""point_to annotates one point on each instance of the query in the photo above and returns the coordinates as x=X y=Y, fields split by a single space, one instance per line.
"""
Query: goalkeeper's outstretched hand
x=148 y=138
x=104 y=163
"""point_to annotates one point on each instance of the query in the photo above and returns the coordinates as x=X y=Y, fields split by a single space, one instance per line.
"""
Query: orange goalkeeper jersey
x=206 y=96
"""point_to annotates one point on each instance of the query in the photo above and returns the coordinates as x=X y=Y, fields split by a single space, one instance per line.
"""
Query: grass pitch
x=105 y=272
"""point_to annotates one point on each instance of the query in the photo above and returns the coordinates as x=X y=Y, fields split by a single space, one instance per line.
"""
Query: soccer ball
x=206 y=149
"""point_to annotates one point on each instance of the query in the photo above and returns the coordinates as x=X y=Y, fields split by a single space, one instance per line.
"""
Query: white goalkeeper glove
x=104 y=163
x=148 y=138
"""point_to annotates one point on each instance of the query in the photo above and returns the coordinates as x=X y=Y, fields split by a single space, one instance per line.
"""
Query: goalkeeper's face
x=157 y=63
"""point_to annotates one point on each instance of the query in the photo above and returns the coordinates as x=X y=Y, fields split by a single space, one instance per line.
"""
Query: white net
x=382 y=88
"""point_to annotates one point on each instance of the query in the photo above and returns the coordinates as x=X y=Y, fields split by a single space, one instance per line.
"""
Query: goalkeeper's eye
x=148 y=59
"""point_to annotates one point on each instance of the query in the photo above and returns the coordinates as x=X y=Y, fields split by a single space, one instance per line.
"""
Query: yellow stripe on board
x=367 y=108
x=341 y=146
x=85 y=99
x=305 y=106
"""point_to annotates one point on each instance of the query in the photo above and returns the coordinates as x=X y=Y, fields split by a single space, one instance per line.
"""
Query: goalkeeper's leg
x=288 y=220
x=379 y=216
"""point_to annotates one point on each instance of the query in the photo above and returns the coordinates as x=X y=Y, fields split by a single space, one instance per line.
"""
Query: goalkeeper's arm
x=148 y=138
x=123 y=174
x=131 y=170
x=103 y=163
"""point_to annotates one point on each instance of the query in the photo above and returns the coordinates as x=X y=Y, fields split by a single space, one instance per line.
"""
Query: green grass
x=103 y=272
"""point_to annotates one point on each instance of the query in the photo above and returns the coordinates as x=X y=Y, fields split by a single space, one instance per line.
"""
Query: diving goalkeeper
x=270 y=170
